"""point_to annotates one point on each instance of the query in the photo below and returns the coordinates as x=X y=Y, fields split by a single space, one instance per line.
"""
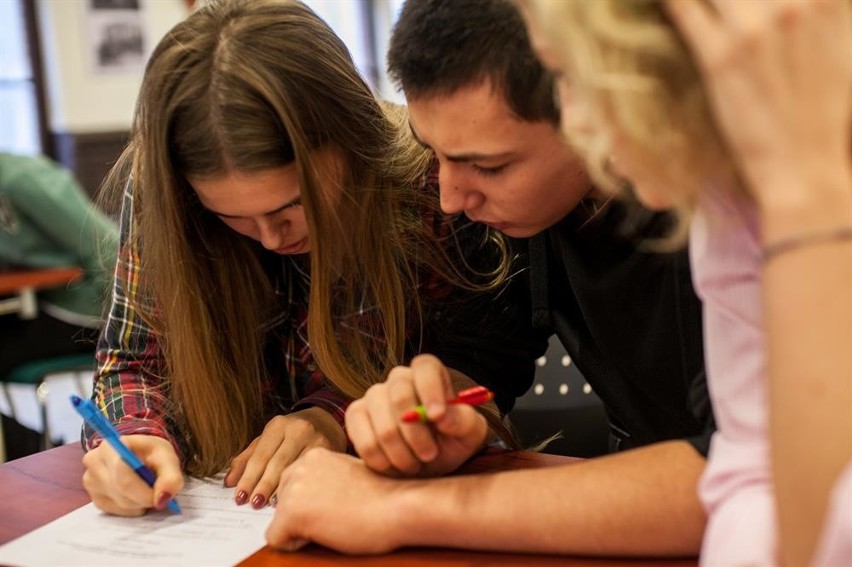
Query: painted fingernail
x=162 y=500
x=258 y=501
x=241 y=497
x=273 y=500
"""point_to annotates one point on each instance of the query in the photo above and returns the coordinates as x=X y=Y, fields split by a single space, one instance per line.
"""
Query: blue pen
x=100 y=424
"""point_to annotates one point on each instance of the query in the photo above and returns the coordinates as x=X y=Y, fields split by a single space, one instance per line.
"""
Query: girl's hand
x=116 y=489
x=392 y=447
x=255 y=472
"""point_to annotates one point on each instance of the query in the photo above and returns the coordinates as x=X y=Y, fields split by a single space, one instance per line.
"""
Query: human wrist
x=803 y=204
x=410 y=508
x=794 y=167
x=835 y=235
x=328 y=427
x=425 y=512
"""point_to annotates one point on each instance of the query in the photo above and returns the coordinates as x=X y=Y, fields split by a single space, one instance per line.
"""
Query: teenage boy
x=627 y=316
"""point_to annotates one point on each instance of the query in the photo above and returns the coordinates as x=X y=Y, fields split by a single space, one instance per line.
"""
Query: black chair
x=561 y=401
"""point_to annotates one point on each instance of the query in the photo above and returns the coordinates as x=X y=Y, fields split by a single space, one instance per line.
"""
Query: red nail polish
x=162 y=500
x=241 y=497
x=258 y=501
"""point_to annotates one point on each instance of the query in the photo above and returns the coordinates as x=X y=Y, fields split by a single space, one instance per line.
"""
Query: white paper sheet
x=211 y=531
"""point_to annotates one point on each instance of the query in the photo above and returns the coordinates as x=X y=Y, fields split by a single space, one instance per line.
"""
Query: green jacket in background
x=47 y=220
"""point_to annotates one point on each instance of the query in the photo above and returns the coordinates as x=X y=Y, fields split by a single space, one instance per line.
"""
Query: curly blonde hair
x=627 y=66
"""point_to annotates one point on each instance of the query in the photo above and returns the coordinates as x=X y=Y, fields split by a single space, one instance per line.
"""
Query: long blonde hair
x=247 y=85
x=626 y=64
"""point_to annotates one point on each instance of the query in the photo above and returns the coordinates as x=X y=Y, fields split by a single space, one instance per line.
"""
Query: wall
x=80 y=101
x=89 y=114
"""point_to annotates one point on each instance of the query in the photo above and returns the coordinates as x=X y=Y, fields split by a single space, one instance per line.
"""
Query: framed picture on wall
x=116 y=36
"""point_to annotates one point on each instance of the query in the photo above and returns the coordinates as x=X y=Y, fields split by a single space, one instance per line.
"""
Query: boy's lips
x=501 y=226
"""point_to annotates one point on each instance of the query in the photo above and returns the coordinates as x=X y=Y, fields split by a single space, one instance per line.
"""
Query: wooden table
x=40 y=488
x=23 y=284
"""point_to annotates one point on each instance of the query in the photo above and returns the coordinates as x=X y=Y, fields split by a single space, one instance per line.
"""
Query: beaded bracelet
x=793 y=242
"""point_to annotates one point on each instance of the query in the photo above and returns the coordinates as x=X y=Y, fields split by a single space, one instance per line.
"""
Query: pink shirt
x=835 y=546
x=735 y=488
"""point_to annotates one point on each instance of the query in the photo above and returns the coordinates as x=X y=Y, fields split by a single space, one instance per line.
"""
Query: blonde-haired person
x=282 y=250
x=739 y=114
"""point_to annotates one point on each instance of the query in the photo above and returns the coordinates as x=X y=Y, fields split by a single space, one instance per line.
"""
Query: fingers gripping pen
x=99 y=423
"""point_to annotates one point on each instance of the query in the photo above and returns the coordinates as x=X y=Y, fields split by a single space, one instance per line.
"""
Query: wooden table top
x=12 y=281
x=42 y=487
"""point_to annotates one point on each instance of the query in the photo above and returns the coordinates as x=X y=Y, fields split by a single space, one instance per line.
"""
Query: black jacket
x=630 y=320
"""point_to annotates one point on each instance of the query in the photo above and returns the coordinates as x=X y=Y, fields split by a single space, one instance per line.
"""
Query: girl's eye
x=489 y=171
x=294 y=205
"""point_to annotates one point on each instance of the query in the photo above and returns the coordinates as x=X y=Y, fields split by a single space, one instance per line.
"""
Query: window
x=349 y=22
x=19 y=121
x=385 y=14
x=364 y=26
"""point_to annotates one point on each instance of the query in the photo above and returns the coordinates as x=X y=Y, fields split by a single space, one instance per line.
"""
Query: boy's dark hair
x=440 y=46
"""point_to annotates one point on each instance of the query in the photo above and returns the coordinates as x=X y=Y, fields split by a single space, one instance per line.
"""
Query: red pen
x=475 y=396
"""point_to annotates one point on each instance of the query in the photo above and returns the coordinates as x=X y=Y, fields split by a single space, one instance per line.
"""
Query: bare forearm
x=641 y=502
x=808 y=304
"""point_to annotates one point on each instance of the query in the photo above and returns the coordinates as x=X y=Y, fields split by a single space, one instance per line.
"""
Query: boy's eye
x=489 y=171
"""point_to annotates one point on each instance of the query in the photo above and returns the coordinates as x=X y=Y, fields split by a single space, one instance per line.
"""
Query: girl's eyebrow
x=289 y=203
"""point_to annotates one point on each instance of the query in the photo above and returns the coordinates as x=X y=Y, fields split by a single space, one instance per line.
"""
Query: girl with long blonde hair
x=739 y=115
x=282 y=250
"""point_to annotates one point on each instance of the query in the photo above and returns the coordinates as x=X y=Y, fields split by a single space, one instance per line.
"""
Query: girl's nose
x=272 y=234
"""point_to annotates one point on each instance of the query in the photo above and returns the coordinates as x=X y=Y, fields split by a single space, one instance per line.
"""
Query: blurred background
x=70 y=70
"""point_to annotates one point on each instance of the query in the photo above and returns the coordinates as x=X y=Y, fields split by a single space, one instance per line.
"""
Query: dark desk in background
x=40 y=488
x=22 y=285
